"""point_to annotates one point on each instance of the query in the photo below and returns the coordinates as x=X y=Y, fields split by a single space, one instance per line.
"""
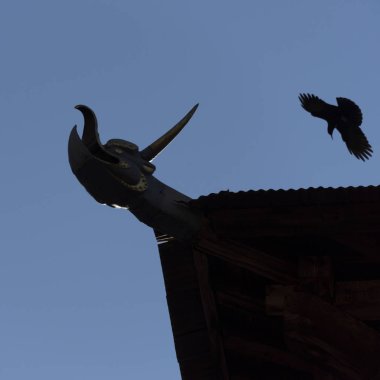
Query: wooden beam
x=359 y=298
x=195 y=353
x=267 y=353
x=210 y=312
x=253 y=260
x=367 y=247
x=331 y=338
x=275 y=298
x=328 y=219
x=316 y=275
x=239 y=301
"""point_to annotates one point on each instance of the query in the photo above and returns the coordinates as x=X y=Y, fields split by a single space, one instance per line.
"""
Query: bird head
x=330 y=129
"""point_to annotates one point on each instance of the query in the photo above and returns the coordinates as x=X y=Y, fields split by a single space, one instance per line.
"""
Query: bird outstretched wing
x=348 y=126
x=317 y=107
x=350 y=111
x=356 y=142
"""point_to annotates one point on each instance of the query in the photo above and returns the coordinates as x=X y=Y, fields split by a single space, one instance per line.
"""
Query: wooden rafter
x=210 y=312
x=253 y=260
x=326 y=220
x=267 y=353
x=331 y=338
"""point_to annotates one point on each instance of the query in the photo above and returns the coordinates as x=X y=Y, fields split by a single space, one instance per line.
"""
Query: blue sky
x=81 y=288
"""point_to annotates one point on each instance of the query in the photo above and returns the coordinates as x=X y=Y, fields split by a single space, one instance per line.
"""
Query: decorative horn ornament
x=119 y=175
x=154 y=149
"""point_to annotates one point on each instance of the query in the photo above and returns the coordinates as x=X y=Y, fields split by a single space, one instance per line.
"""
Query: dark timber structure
x=279 y=285
x=260 y=285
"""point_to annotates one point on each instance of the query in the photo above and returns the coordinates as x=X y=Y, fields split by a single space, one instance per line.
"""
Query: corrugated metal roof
x=309 y=196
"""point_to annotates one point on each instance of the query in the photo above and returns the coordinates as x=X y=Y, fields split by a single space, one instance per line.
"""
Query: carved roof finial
x=151 y=151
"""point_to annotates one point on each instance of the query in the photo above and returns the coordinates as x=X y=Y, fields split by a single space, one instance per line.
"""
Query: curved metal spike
x=151 y=151
x=90 y=135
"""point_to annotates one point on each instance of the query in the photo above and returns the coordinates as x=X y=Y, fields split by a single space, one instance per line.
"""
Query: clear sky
x=81 y=287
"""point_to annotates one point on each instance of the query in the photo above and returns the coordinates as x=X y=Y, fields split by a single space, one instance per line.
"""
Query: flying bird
x=346 y=117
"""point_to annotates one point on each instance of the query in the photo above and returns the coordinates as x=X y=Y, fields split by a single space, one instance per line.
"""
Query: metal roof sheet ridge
x=310 y=195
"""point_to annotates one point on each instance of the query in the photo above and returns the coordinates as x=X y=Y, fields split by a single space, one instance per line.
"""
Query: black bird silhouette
x=345 y=117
